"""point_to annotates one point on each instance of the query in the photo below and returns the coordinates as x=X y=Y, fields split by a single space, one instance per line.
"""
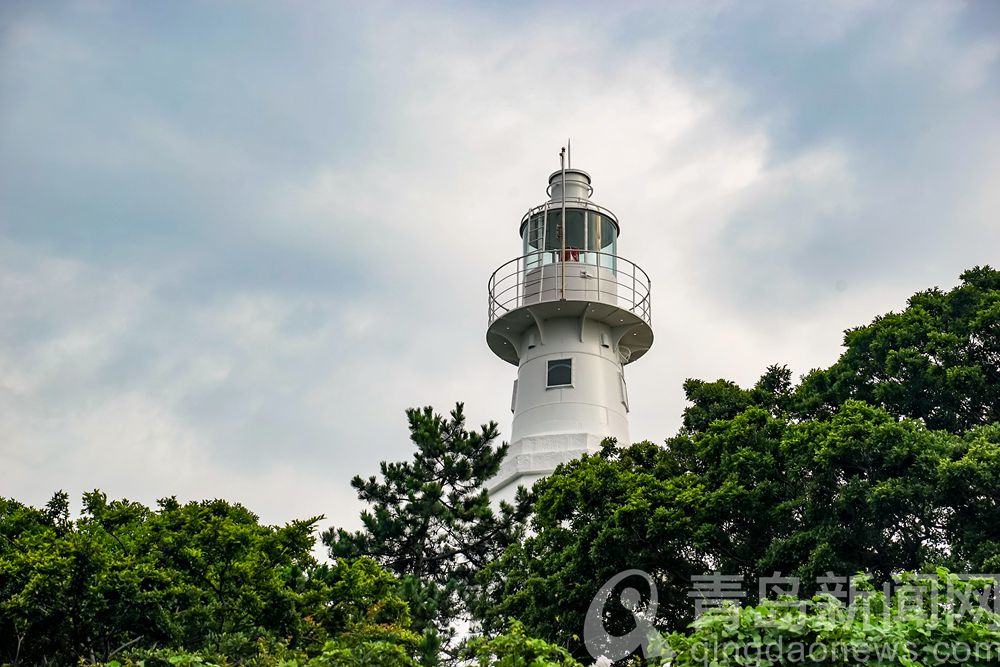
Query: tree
x=724 y=399
x=515 y=649
x=873 y=465
x=752 y=495
x=712 y=499
x=970 y=481
x=430 y=520
x=202 y=577
x=366 y=605
x=593 y=518
x=922 y=626
x=938 y=360
x=864 y=495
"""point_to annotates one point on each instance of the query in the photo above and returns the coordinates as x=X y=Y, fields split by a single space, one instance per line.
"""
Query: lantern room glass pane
x=576 y=230
x=609 y=240
x=602 y=240
x=587 y=234
x=533 y=245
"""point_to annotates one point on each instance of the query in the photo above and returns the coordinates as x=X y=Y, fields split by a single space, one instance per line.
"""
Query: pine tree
x=430 y=520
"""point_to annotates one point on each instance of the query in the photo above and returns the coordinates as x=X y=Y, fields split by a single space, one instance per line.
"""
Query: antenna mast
x=562 y=224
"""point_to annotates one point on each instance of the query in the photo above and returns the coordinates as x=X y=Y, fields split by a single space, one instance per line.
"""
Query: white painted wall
x=556 y=425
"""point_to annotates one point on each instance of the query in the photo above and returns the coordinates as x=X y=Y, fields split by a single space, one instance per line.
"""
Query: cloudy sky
x=238 y=239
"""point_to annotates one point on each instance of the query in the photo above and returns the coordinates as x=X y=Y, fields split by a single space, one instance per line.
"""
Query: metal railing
x=540 y=277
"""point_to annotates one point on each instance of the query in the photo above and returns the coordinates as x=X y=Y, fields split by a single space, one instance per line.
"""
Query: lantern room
x=590 y=231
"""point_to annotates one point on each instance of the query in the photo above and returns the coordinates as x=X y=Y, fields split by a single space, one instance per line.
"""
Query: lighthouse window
x=603 y=238
x=586 y=232
x=560 y=373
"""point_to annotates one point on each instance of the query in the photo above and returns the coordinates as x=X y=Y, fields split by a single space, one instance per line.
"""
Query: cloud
x=234 y=246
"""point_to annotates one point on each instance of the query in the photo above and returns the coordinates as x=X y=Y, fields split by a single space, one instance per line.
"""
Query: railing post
x=599 y=274
x=562 y=224
x=518 y=278
x=649 y=302
x=541 y=275
x=633 y=286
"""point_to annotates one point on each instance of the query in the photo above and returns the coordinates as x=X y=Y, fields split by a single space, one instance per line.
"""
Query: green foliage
x=888 y=461
x=595 y=517
x=971 y=483
x=861 y=491
x=516 y=649
x=797 y=479
x=379 y=650
x=938 y=360
x=922 y=627
x=723 y=399
x=203 y=577
x=430 y=520
x=387 y=649
x=863 y=495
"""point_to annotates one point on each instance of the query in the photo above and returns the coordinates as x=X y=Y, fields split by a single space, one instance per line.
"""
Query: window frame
x=548 y=371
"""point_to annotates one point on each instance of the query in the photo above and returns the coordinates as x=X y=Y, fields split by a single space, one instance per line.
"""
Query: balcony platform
x=526 y=292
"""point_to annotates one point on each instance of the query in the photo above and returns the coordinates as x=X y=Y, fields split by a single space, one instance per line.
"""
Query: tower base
x=533 y=457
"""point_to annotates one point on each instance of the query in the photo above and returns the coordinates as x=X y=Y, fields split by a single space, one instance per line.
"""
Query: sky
x=239 y=239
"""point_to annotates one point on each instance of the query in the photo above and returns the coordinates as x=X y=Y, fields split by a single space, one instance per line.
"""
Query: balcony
x=570 y=275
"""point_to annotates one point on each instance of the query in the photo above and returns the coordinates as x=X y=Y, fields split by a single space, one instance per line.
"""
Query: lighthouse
x=570 y=313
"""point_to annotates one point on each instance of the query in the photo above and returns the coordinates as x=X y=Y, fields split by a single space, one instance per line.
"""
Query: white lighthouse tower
x=570 y=313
